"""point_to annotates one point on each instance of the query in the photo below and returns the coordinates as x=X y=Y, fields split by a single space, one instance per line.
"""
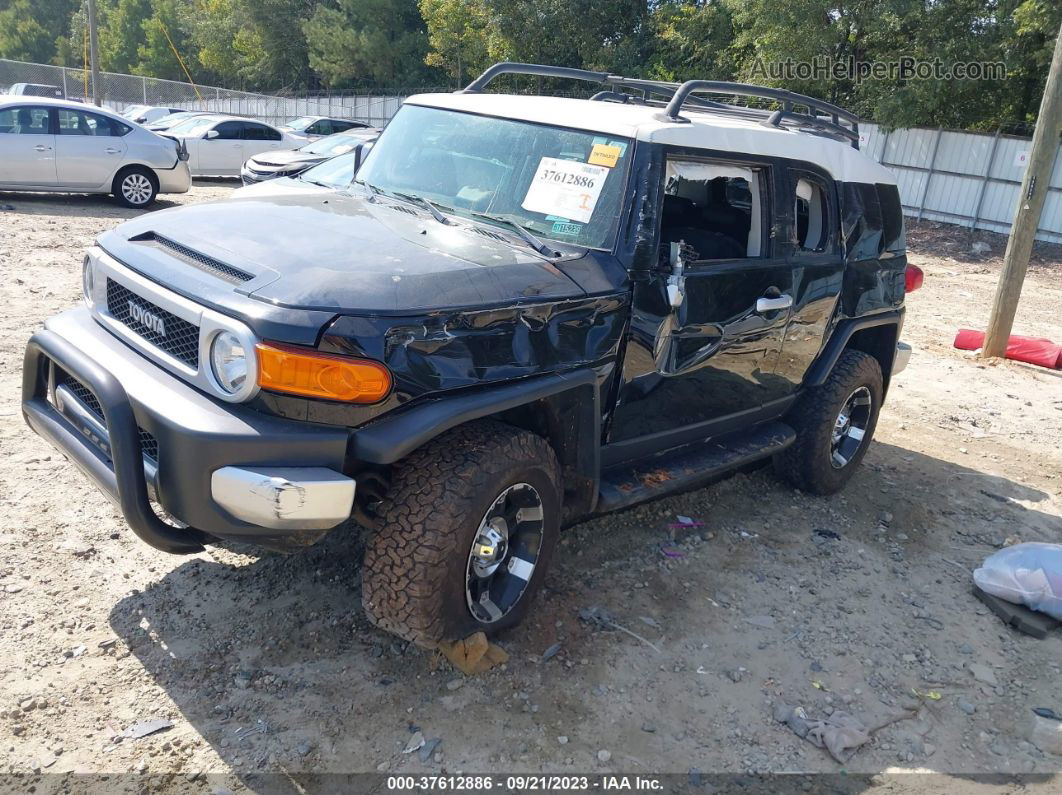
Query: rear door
x=88 y=149
x=223 y=155
x=817 y=260
x=27 y=147
x=259 y=138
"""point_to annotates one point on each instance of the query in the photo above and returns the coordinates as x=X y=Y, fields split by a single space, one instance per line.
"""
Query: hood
x=342 y=253
x=288 y=157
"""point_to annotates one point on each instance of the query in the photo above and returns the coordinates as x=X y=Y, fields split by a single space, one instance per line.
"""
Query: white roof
x=705 y=129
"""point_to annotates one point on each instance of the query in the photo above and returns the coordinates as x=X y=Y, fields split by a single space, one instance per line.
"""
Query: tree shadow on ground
x=273 y=663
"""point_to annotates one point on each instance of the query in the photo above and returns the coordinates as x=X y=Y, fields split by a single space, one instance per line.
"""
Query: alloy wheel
x=504 y=553
x=136 y=188
x=850 y=427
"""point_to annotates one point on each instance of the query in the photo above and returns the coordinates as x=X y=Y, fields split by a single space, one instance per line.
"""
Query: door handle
x=42 y=148
x=764 y=304
x=111 y=150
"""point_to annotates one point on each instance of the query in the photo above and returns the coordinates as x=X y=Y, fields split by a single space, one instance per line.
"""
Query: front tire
x=467 y=532
x=135 y=187
x=834 y=424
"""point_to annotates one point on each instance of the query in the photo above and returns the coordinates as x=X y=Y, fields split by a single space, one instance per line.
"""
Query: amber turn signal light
x=302 y=371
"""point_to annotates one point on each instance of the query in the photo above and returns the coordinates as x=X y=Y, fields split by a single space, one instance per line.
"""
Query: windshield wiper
x=536 y=243
x=427 y=204
x=420 y=201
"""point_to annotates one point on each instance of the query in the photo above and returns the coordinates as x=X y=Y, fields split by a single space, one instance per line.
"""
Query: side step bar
x=690 y=467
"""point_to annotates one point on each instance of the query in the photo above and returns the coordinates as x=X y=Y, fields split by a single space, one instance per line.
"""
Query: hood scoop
x=195 y=258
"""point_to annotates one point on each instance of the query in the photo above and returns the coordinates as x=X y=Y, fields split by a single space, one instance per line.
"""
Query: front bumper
x=252 y=176
x=223 y=470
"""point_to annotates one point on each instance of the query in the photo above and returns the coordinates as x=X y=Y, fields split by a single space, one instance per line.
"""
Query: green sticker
x=556 y=218
x=561 y=228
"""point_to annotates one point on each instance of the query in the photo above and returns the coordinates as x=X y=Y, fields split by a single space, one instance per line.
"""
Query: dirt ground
x=266 y=664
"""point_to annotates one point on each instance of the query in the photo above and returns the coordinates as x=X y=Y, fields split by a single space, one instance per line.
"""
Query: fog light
x=228 y=359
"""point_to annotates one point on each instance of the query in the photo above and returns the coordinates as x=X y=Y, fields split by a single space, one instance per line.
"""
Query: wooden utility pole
x=1027 y=215
x=94 y=52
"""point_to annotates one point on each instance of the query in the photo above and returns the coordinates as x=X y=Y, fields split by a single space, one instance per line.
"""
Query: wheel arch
x=562 y=408
x=876 y=335
x=136 y=164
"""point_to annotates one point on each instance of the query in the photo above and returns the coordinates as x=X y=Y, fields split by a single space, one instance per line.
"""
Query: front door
x=88 y=150
x=704 y=343
x=223 y=154
x=27 y=147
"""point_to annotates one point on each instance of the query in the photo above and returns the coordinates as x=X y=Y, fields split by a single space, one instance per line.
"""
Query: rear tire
x=135 y=187
x=472 y=514
x=834 y=424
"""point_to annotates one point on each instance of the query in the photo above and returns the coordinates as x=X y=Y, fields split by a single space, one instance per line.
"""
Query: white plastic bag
x=1026 y=574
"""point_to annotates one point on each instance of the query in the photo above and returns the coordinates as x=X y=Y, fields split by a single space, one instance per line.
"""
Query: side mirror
x=211 y=134
x=360 y=150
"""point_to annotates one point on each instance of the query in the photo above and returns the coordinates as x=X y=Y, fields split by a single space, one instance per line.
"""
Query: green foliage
x=386 y=44
x=368 y=42
x=22 y=37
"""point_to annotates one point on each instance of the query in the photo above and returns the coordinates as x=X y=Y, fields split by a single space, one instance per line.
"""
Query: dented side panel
x=434 y=353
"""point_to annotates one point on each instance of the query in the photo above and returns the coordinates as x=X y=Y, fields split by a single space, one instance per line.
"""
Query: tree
x=692 y=40
x=365 y=42
x=459 y=36
x=121 y=33
x=22 y=37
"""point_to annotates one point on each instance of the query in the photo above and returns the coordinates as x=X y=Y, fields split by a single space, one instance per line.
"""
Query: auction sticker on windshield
x=566 y=188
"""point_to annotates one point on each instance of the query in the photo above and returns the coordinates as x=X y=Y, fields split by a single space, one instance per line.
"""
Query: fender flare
x=395 y=436
x=841 y=336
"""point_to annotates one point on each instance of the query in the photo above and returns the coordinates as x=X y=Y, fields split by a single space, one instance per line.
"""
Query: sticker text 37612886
x=565 y=188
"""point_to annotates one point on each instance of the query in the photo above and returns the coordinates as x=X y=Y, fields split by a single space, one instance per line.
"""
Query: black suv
x=526 y=310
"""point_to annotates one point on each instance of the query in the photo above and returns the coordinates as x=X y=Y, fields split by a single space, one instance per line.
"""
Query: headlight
x=87 y=279
x=229 y=361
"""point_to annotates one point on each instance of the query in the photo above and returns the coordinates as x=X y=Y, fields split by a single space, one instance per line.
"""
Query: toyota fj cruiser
x=524 y=312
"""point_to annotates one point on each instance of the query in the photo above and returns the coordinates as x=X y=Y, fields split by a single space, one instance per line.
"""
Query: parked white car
x=218 y=145
x=60 y=145
x=145 y=114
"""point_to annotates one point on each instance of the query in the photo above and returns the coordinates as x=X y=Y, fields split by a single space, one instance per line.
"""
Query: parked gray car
x=288 y=163
x=58 y=145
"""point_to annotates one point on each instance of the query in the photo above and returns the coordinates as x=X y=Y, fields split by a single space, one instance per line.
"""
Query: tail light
x=306 y=372
x=913 y=278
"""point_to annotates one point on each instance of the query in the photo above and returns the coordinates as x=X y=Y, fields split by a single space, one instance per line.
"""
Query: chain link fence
x=120 y=91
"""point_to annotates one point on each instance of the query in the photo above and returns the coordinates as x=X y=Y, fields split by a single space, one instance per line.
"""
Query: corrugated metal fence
x=964 y=178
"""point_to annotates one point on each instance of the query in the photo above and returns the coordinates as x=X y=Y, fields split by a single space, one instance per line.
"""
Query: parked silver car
x=59 y=145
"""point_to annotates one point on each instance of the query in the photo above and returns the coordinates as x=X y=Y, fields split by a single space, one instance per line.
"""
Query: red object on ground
x=1032 y=350
x=913 y=278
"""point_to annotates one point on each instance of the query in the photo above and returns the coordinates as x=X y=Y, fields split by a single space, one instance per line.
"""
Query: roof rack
x=820 y=117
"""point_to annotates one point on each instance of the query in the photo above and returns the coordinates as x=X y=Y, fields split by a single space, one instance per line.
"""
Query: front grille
x=84 y=394
x=149 y=445
x=193 y=257
x=178 y=338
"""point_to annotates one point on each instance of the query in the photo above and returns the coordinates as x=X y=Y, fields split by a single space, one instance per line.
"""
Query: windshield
x=175 y=117
x=300 y=123
x=333 y=144
x=562 y=184
x=335 y=173
x=194 y=126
